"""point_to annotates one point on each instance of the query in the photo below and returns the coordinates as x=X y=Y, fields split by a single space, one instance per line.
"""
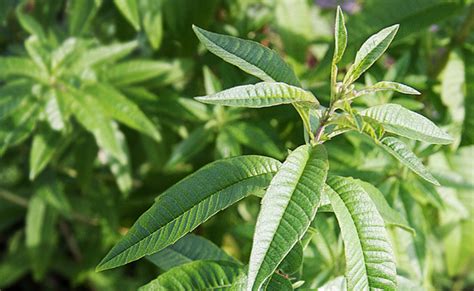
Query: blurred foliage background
x=97 y=118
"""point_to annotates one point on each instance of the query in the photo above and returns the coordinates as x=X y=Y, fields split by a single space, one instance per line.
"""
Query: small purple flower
x=349 y=6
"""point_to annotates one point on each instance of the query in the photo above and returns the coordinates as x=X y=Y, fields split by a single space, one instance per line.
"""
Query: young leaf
x=118 y=107
x=388 y=86
x=369 y=258
x=43 y=148
x=249 y=56
x=401 y=121
x=288 y=207
x=80 y=14
x=340 y=34
x=401 y=151
x=129 y=9
x=199 y=275
x=187 y=204
x=369 y=52
x=187 y=249
x=151 y=15
x=263 y=94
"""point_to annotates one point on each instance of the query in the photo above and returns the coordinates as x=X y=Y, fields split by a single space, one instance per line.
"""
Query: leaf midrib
x=174 y=219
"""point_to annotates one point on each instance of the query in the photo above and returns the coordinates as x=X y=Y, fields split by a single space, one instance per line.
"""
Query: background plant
x=143 y=134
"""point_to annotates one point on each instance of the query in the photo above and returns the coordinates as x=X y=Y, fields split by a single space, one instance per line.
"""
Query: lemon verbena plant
x=293 y=192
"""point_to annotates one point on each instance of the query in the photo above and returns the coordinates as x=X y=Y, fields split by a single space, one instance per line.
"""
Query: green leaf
x=29 y=23
x=53 y=110
x=187 y=204
x=288 y=207
x=401 y=121
x=403 y=153
x=136 y=71
x=199 y=275
x=118 y=107
x=189 y=147
x=103 y=54
x=340 y=35
x=50 y=189
x=255 y=138
x=226 y=145
x=40 y=234
x=262 y=94
x=90 y=115
x=19 y=67
x=186 y=250
x=370 y=52
x=129 y=10
x=152 y=19
x=18 y=126
x=44 y=145
x=388 y=86
x=293 y=260
x=369 y=258
x=389 y=215
x=249 y=56
x=80 y=14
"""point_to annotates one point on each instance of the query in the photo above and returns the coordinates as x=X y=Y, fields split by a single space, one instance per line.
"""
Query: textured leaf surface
x=288 y=207
x=263 y=94
x=187 y=249
x=340 y=34
x=369 y=258
x=249 y=56
x=199 y=275
x=187 y=204
x=388 y=86
x=370 y=52
x=403 y=153
x=401 y=121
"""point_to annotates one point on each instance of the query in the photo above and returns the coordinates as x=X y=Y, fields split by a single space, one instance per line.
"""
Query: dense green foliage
x=236 y=144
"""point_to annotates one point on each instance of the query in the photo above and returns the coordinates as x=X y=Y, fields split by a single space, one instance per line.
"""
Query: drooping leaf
x=403 y=153
x=369 y=258
x=40 y=234
x=118 y=107
x=187 y=204
x=188 y=249
x=255 y=138
x=263 y=94
x=288 y=207
x=29 y=23
x=248 y=56
x=44 y=146
x=370 y=52
x=89 y=114
x=389 y=215
x=404 y=122
x=340 y=35
x=189 y=147
x=198 y=275
x=129 y=9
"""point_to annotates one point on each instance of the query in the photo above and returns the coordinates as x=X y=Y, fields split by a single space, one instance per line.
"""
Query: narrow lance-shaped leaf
x=135 y=71
x=119 y=107
x=370 y=52
x=388 y=86
x=248 y=56
x=187 y=204
x=188 y=249
x=401 y=151
x=399 y=120
x=370 y=262
x=103 y=54
x=340 y=34
x=288 y=207
x=263 y=94
x=19 y=66
x=129 y=9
